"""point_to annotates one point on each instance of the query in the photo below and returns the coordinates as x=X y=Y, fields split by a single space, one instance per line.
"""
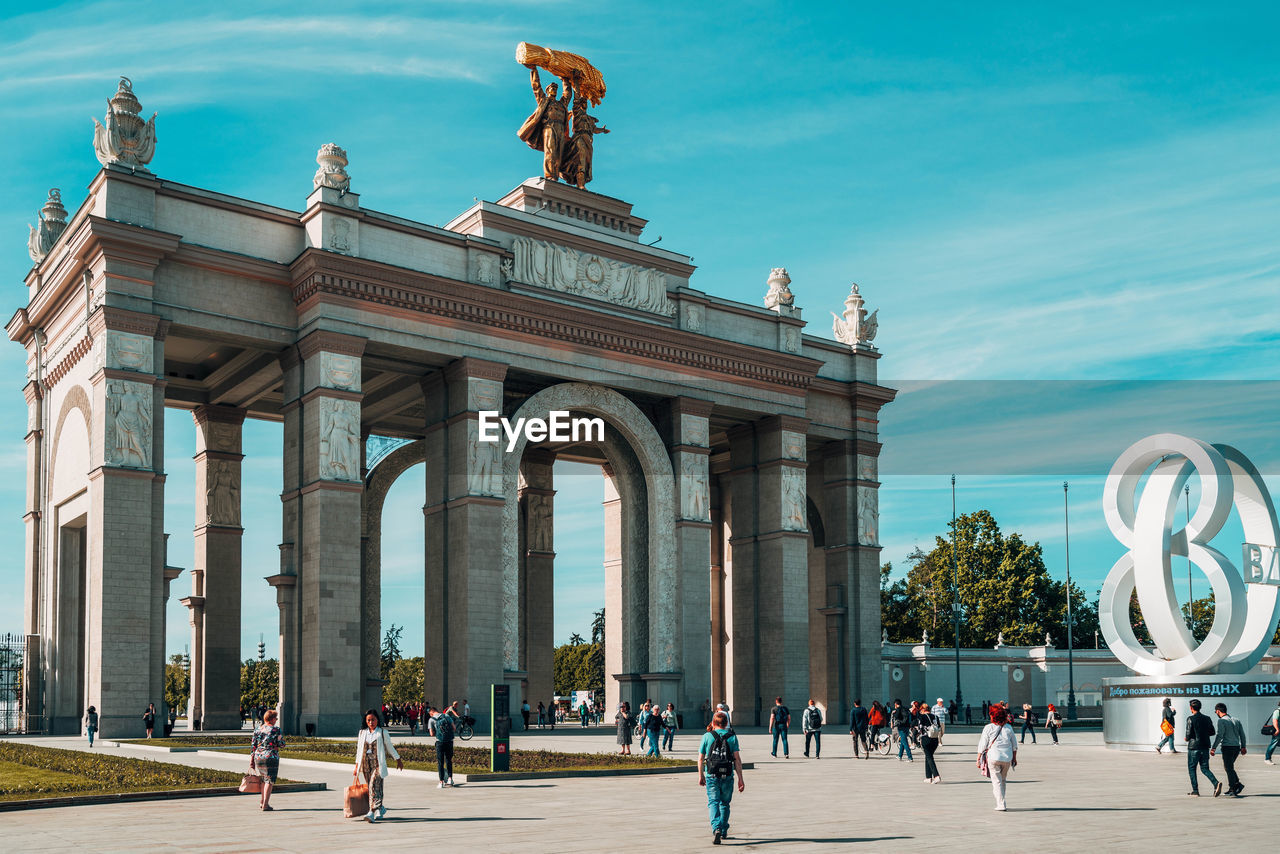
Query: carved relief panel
x=339 y=439
x=340 y=371
x=128 y=351
x=222 y=493
x=484 y=464
x=793 y=499
x=695 y=502
x=559 y=268
x=128 y=424
x=868 y=516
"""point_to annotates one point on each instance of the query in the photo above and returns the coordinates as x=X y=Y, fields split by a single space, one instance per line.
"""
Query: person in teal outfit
x=719 y=760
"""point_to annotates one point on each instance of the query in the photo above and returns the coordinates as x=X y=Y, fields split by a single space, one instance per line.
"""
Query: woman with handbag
x=372 y=746
x=998 y=752
x=929 y=743
x=1167 y=726
x=264 y=755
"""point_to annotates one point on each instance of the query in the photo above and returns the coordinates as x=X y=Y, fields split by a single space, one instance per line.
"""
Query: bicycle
x=466 y=729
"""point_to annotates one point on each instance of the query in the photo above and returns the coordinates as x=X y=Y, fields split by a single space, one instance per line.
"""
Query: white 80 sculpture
x=1246 y=609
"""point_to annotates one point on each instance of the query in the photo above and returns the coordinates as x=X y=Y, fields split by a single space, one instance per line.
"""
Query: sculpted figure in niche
x=340 y=442
x=868 y=517
x=546 y=129
x=130 y=414
x=539 y=523
x=696 y=499
x=486 y=270
x=483 y=467
x=793 y=497
x=221 y=494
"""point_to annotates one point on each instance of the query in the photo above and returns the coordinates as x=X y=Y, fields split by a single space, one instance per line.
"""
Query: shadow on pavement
x=833 y=840
x=1083 y=809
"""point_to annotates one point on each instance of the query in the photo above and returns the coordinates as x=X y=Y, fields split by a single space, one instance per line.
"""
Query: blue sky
x=1088 y=194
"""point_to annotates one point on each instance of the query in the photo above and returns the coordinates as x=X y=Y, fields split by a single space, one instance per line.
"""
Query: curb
x=126 y=797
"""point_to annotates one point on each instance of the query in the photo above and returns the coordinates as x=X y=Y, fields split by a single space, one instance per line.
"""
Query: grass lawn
x=28 y=772
x=466 y=760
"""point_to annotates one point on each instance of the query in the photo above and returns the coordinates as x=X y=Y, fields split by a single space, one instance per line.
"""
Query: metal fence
x=13 y=650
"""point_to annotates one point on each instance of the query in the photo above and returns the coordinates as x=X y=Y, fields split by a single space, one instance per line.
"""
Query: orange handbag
x=1166 y=727
x=355 y=801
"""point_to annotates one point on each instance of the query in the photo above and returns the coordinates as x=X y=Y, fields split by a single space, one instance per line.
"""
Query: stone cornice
x=471 y=368
x=222 y=414
x=321 y=277
x=69 y=361
x=330 y=342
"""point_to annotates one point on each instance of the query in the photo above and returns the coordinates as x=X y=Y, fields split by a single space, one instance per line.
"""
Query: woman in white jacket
x=1000 y=749
x=372 y=746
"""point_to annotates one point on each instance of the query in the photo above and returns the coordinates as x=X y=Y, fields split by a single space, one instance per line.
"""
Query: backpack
x=720 y=757
x=898 y=717
x=1033 y=718
x=813 y=717
x=444 y=728
x=781 y=716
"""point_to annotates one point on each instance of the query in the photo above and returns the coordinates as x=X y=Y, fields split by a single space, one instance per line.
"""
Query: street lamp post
x=1071 y=673
x=1191 y=596
x=955 y=604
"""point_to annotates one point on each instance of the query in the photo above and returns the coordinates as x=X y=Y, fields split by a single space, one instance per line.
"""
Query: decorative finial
x=925 y=639
x=53 y=221
x=126 y=140
x=884 y=636
x=779 y=293
x=999 y=639
x=856 y=328
x=1047 y=640
x=333 y=168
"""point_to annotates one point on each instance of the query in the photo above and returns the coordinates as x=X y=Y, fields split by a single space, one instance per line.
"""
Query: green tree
x=575 y=639
x=597 y=627
x=579 y=667
x=391 y=649
x=259 y=683
x=177 y=684
x=1004 y=588
x=405 y=681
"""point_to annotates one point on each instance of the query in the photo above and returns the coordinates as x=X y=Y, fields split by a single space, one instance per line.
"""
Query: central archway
x=641 y=439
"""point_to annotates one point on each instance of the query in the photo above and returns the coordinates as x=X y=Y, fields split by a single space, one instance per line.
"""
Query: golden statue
x=547 y=128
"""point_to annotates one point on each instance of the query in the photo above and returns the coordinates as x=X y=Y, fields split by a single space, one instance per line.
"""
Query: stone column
x=323 y=485
x=33 y=524
x=464 y=510
x=218 y=535
x=125 y=531
x=783 y=559
x=537 y=510
x=286 y=601
x=719 y=624
x=612 y=505
x=853 y=558
x=195 y=612
x=742 y=649
x=687 y=435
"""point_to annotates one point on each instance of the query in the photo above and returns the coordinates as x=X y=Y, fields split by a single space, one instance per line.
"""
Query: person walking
x=929 y=743
x=670 y=723
x=524 y=714
x=779 y=723
x=859 y=721
x=812 y=724
x=1274 y=725
x=552 y=711
x=877 y=719
x=149 y=718
x=442 y=726
x=724 y=707
x=901 y=721
x=173 y=720
x=1168 y=726
x=968 y=713
x=584 y=714
x=952 y=712
x=653 y=727
x=542 y=715
x=412 y=714
x=1199 y=731
x=1028 y=724
x=1052 y=722
x=91 y=723
x=264 y=756
x=642 y=721
x=1231 y=737
x=719 y=760
x=372 y=746
x=998 y=753
x=939 y=711
x=625 y=723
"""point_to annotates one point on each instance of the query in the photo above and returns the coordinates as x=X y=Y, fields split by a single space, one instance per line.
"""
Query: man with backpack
x=779 y=722
x=1199 y=731
x=859 y=722
x=719 y=760
x=653 y=727
x=813 y=729
x=442 y=727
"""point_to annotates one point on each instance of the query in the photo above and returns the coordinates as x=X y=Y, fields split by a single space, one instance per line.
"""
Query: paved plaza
x=1078 y=796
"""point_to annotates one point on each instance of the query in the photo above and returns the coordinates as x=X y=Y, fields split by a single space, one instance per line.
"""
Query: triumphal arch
x=740 y=454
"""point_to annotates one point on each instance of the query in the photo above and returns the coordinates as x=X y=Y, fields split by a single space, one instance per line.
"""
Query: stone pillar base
x=663 y=688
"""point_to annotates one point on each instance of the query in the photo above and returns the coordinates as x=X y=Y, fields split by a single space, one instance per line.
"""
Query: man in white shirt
x=939 y=711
